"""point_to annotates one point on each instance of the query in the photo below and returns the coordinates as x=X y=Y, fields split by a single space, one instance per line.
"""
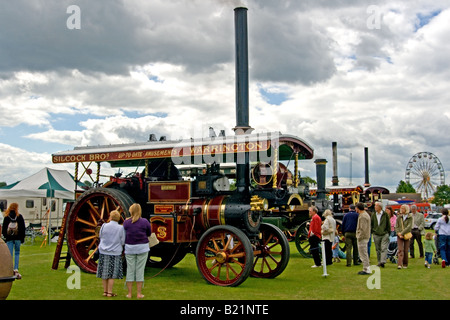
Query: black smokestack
x=321 y=165
x=241 y=39
x=242 y=105
x=321 y=202
x=335 y=179
x=366 y=161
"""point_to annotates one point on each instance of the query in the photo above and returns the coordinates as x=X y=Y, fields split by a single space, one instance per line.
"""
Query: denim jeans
x=429 y=257
x=444 y=246
x=14 y=245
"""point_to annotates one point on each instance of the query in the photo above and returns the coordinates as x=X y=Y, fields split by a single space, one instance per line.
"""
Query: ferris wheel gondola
x=425 y=172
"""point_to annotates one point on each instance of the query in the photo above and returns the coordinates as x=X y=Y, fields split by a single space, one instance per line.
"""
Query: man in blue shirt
x=349 y=223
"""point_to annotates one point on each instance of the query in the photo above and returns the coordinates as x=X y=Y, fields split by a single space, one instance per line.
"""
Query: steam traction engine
x=224 y=228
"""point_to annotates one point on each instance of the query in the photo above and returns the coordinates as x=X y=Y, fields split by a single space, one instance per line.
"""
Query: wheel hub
x=221 y=257
x=263 y=250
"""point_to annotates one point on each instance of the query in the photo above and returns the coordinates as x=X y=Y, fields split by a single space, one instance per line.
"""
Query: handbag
x=152 y=240
x=408 y=235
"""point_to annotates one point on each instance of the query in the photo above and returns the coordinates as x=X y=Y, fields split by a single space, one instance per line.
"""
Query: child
x=335 y=248
x=430 y=249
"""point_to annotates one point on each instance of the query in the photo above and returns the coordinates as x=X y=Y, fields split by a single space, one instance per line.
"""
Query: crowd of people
x=359 y=227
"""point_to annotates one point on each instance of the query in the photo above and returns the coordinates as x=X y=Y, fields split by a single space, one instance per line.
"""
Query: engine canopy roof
x=222 y=149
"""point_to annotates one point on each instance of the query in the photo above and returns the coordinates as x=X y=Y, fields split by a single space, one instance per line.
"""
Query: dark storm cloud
x=35 y=37
x=115 y=36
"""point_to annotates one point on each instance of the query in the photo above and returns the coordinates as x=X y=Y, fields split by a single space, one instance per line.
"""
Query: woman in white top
x=110 y=265
x=328 y=233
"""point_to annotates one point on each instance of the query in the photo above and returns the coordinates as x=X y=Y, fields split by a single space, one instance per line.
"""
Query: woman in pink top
x=393 y=219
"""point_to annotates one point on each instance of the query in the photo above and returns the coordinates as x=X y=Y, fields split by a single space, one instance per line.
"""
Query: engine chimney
x=321 y=176
x=334 y=179
x=241 y=41
x=366 y=161
x=242 y=105
x=321 y=202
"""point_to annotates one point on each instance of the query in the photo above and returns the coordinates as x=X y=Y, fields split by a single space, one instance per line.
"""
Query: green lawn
x=183 y=282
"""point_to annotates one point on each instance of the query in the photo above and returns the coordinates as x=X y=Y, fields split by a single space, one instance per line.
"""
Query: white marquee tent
x=47 y=183
x=40 y=194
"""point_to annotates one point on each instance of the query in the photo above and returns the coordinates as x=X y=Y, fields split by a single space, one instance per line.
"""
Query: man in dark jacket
x=349 y=223
x=381 y=227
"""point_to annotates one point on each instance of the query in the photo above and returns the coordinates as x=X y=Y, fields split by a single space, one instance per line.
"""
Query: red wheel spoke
x=237 y=255
x=94 y=210
x=85 y=222
x=268 y=239
x=84 y=239
x=238 y=263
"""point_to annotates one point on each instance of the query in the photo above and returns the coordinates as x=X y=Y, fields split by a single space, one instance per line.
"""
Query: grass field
x=184 y=282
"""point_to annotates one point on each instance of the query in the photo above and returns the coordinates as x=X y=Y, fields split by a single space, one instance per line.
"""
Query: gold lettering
x=202 y=185
x=72 y=158
x=162 y=232
x=168 y=187
x=98 y=156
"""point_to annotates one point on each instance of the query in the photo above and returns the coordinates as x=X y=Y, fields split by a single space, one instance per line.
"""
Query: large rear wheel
x=86 y=216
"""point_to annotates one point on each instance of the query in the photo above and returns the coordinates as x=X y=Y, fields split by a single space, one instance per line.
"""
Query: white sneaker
x=314 y=266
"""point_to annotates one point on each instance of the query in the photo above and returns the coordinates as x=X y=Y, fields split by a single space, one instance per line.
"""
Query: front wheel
x=224 y=256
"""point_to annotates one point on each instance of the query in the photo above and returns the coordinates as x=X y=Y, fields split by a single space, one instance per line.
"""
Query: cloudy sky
x=363 y=73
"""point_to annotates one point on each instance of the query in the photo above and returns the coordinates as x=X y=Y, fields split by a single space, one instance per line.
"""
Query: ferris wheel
x=425 y=172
